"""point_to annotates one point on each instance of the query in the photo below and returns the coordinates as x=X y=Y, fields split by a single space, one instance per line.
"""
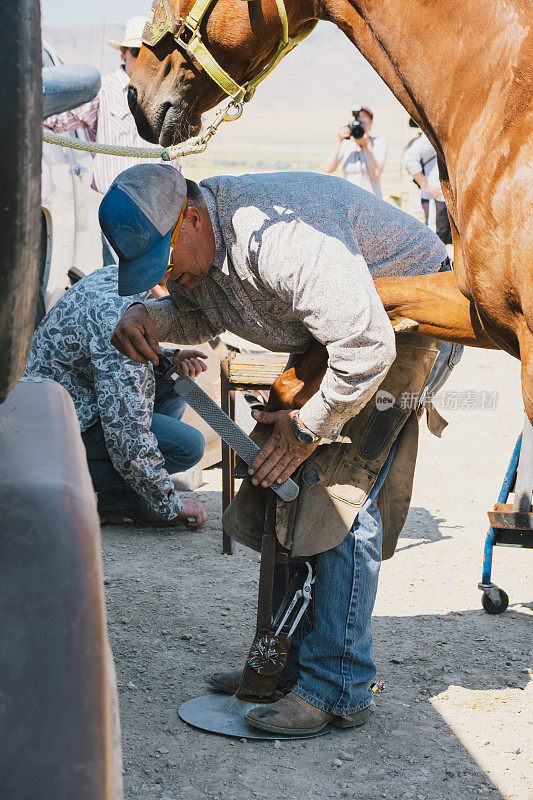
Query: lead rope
x=192 y=146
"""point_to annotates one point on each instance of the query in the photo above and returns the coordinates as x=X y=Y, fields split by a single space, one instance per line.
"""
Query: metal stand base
x=511 y=525
x=225 y=715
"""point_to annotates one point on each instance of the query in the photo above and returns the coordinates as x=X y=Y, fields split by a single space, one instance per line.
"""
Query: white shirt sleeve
x=344 y=151
x=417 y=154
x=379 y=149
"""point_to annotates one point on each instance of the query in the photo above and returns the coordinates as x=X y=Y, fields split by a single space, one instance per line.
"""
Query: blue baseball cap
x=137 y=215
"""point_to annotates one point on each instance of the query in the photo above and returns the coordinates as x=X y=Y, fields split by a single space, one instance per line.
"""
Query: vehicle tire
x=495 y=608
x=20 y=179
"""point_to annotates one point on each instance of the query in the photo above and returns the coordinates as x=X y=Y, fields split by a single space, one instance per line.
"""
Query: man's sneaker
x=292 y=715
x=142 y=515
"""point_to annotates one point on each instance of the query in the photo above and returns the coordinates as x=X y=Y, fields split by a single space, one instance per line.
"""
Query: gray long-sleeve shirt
x=296 y=255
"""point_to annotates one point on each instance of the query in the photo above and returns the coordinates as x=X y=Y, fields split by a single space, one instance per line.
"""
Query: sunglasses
x=135 y=51
x=175 y=234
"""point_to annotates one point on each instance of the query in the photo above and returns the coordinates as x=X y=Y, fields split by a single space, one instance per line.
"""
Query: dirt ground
x=455 y=721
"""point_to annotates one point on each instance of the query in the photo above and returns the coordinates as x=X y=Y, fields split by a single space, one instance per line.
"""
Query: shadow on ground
x=423 y=527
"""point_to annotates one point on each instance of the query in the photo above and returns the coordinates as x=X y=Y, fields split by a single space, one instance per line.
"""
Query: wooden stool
x=238 y=373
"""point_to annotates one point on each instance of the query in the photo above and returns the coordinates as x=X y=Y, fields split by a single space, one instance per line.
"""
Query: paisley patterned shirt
x=72 y=346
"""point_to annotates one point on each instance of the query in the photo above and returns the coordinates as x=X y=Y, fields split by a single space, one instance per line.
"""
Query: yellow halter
x=186 y=33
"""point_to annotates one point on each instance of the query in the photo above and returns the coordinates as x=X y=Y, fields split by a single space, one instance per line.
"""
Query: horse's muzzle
x=147 y=125
x=132 y=98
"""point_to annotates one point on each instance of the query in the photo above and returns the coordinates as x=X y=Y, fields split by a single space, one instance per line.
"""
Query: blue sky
x=65 y=13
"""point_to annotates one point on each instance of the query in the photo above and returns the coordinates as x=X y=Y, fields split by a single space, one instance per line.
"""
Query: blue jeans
x=448 y=358
x=330 y=660
x=181 y=446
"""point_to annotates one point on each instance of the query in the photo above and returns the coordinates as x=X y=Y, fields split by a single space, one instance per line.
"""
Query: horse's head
x=169 y=89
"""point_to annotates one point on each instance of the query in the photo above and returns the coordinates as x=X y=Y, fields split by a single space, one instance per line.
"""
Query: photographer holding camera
x=362 y=156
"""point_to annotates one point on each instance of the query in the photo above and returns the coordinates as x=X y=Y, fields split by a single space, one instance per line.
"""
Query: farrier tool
x=227 y=429
x=293 y=606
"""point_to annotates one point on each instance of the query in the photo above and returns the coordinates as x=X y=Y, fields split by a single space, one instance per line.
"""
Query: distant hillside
x=291 y=122
x=85 y=45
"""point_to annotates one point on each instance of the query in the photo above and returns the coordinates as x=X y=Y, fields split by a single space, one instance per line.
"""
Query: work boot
x=226 y=682
x=142 y=514
x=292 y=715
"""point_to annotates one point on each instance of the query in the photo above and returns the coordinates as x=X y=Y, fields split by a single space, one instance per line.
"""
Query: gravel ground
x=455 y=720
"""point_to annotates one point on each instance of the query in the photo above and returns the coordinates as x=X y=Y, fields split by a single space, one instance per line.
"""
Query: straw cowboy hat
x=132 y=34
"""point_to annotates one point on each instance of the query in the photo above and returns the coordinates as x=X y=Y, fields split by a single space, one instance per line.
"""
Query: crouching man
x=129 y=417
x=285 y=260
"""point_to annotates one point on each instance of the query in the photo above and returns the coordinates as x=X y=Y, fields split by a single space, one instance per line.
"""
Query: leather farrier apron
x=337 y=478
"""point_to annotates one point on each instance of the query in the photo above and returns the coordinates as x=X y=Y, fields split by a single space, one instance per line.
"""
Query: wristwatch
x=302 y=433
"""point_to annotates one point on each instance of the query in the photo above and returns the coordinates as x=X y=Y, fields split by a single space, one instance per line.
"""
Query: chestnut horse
x=462 y=69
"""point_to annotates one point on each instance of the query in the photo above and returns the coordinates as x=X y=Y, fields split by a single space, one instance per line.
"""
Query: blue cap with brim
x=145 y=272
x=142 y=244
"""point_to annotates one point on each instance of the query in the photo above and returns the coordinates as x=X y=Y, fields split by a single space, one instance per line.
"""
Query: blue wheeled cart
x=511 y=523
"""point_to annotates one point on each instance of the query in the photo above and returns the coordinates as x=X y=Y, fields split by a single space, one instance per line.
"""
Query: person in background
x=130 y=417
x=420 y=160
x=361 y=155
x=107 y=119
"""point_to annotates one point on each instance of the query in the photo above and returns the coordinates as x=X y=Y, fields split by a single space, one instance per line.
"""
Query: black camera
x=357 y=129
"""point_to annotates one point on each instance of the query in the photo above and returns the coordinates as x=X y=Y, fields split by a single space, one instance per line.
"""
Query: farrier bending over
x=282 y=259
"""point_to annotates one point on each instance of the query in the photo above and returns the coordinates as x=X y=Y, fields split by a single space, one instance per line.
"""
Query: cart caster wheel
x=495 y=608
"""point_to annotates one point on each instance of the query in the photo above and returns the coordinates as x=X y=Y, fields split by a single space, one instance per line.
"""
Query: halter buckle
x=181 y=26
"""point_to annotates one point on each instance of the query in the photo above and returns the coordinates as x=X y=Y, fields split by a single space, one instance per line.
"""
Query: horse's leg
x=439 y=310
x=437 y=307
x=295 y=386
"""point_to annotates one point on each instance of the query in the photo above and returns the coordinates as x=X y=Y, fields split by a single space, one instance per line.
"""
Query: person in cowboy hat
x=107 y=119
